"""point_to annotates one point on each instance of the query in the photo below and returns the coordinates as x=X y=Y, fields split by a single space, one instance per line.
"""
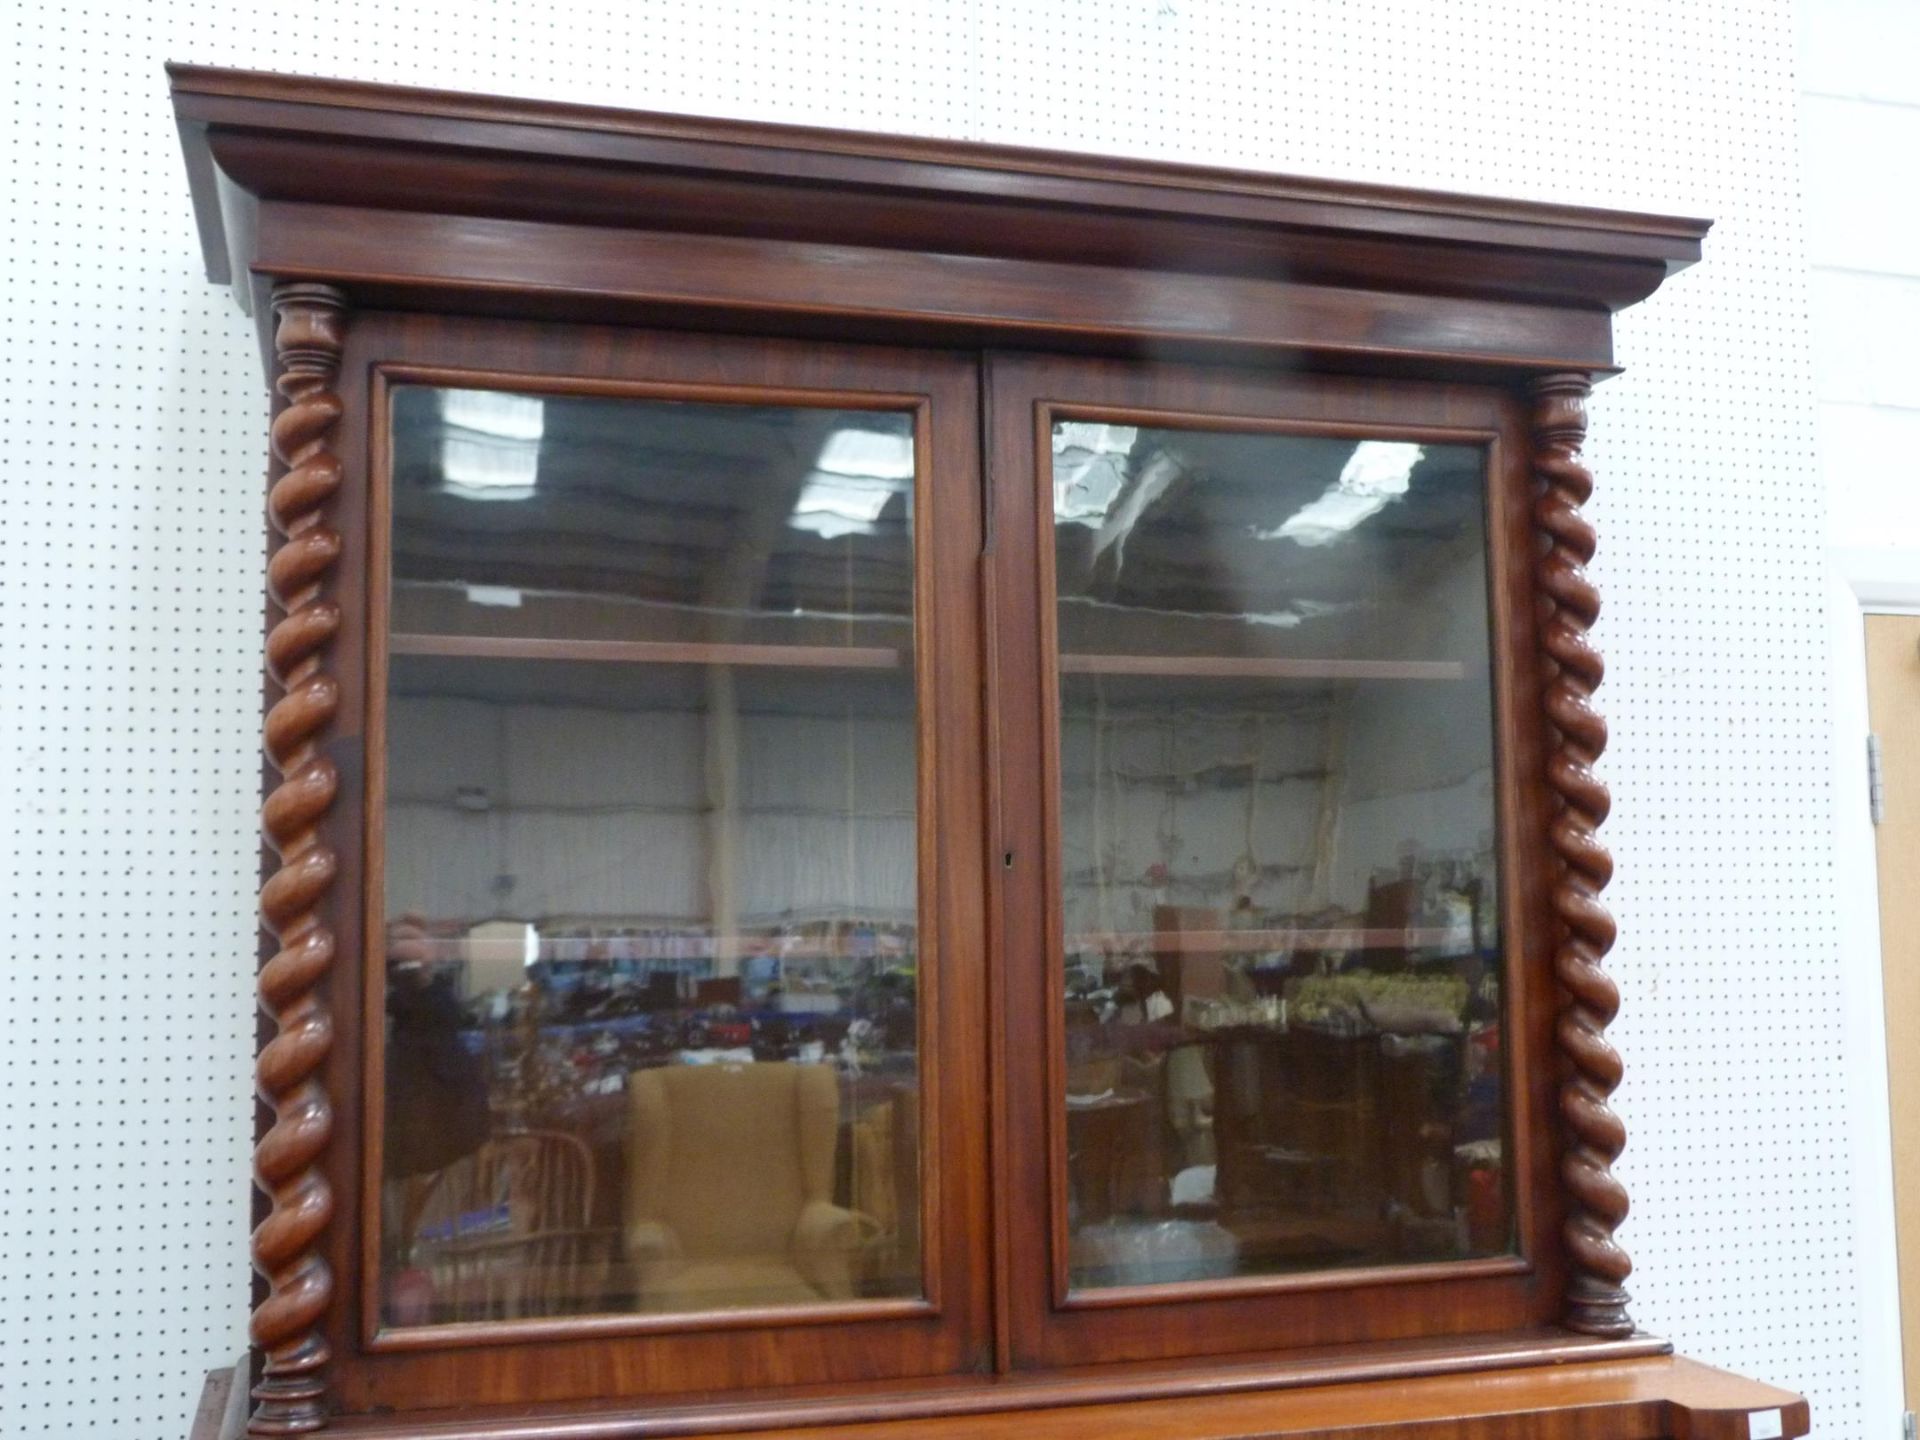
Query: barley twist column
x=287 y=1326
x=1596 y=1301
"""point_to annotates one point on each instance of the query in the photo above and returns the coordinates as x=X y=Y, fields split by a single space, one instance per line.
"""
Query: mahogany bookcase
x=1019 y=723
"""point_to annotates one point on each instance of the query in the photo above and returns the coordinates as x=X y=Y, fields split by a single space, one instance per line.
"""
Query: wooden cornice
x=411 y=197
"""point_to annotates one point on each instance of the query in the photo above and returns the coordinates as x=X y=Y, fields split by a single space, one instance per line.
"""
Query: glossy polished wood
x=1596 y=1294
x=1487 y=319
x=644 y=1355
x=1049 y=1326
x=963 y=190
x=1523 y=1397
x=287 y=1162
x=429 y=199
x=540 y=270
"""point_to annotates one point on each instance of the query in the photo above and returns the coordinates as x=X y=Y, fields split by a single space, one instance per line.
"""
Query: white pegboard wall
x=131 y=444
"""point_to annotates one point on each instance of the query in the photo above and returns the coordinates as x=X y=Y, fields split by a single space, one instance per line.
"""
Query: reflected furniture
x=507 y=1230
x=1003 y=740
x=728 y=1200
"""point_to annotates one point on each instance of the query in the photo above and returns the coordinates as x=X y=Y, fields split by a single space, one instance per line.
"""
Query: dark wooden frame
x=1052 y=1325
x=582 y=1357
x=944 y=662
x=426 y=200
x=354 y=215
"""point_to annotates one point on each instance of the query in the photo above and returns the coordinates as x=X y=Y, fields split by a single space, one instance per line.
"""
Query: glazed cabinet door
x=1273 y=986
x=670 y=984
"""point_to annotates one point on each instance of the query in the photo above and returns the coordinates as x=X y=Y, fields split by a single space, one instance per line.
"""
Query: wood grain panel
x=1538 y=1397
x=480 y=263
x=398 y=148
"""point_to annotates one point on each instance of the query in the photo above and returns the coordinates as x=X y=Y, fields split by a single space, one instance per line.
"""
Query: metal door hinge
x=1906 y=1426
x=1877 y=808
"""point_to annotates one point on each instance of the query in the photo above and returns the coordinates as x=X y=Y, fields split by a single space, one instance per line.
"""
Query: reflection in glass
x=650 y=858
x=1277 y=828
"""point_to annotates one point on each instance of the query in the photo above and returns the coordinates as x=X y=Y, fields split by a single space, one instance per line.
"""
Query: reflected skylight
x=1089 y=469
x=490 y=447
x=495 y=412
x=857 y=473
x=1375 y=475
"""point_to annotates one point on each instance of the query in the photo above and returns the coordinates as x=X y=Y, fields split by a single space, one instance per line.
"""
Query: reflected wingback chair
x=729 y=1188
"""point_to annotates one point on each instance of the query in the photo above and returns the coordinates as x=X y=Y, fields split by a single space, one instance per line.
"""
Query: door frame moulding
x=1863 y=583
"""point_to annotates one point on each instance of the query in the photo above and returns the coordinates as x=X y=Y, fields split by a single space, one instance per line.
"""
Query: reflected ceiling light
x=1299 y=613
x=507 y=596
x=490 y=446
x=495 y=412
x=874 y=454
x=1375 y=475
x=1089 y=469
x=857 y=473
x=834 y=505
x=480 y=467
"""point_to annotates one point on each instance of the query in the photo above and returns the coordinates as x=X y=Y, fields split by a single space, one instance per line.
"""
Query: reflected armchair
x=729 y=1196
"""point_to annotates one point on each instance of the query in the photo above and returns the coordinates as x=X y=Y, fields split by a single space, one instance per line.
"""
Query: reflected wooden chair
x=507 y=1231
x=883 y=1160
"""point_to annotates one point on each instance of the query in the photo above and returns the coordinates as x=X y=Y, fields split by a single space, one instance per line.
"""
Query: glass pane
x=650 y=858
x=1277 y=830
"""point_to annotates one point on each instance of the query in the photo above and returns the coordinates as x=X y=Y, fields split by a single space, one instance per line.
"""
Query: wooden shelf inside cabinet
x=654 y=652
x=884 y=657
x=1237 y=667
x=1213 y=942
x=719 y=947
x=753 y=947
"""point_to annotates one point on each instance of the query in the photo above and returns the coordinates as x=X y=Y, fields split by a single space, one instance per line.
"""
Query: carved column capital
x=1596 y=1302
x=287 y=1326
x=1559 y=414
